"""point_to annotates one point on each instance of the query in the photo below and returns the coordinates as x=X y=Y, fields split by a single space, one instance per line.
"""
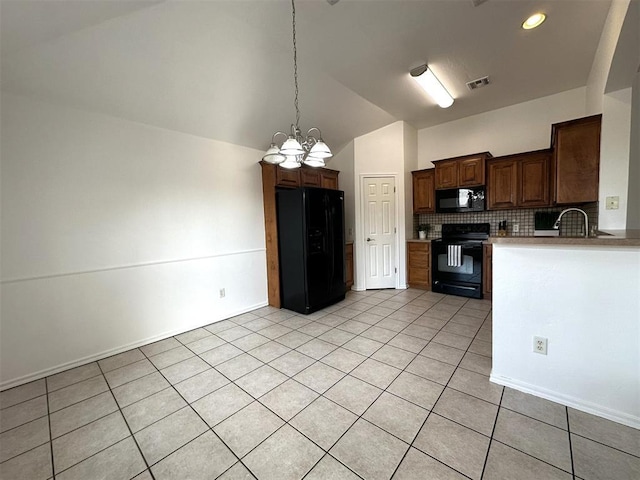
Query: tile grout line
x=53 y=468
x=128 y=428
x=493 y=430
x=573 y=470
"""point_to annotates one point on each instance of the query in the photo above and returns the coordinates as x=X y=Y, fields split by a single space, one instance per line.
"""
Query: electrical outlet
x=612 y=203
x=540 y=345
x=516 y=227
x=222 y=293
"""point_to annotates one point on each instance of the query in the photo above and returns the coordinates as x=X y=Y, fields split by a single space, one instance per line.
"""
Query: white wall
x=116 y=233
x=601 y=66
x=514 y=129
x=380 y=153
x=586 y=301
x=343 y=162
x=410 y=164
x=614 y=158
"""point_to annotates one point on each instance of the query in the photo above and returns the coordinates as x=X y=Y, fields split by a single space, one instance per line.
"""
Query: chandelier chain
x=295 y=62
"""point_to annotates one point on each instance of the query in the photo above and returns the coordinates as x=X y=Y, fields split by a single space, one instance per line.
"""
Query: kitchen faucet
x=556 y=225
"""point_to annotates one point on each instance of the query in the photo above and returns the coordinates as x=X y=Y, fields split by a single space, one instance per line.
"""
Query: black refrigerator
x=311 y=248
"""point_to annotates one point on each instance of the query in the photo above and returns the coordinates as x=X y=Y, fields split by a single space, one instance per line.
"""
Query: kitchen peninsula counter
x=611 y=238
x=580 y=295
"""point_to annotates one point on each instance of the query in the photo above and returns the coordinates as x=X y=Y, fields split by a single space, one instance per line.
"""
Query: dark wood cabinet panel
x=287 y=178
x=534 y=180
x=329 y=179
x=309 y=178
x=424 y=191
x=419 y=265
x=349 y=264
x=519 y=181
x=465 y=171
x=502 y=184
x=446 y=174
x=576 y=160
x=487 y=271
x=471 y=172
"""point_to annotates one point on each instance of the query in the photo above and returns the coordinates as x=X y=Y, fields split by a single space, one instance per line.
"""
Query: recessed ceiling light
x=534 y=21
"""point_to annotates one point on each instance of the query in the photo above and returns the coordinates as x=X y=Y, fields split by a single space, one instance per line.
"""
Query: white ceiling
x=223 y=69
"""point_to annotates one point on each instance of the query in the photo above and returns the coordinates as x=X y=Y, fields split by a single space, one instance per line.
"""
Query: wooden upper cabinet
x=519 y=181
x=424 y=191
x=576 y=160
x=446 y=174
x=502 y=184
x=534 y=188
x=466 y=171
x=302 y=177
x=329 y=179
x=309 y=177
x=286 y=177
x=471 y=172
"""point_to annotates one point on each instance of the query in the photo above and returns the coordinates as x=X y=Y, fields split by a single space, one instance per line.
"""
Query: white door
x=380 y=232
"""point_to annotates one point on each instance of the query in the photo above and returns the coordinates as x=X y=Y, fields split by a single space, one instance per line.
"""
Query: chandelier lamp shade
x=430 y=83
x=297 y=149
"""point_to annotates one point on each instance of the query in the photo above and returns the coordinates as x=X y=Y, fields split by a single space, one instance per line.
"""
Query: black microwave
x=460 y=200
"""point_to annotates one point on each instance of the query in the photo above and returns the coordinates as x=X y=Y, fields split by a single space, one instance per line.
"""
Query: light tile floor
x=386 y=384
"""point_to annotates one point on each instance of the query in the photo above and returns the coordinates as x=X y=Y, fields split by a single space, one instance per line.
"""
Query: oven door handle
x=461 y=287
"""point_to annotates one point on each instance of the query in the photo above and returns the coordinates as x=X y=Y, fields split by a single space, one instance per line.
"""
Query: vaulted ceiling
x=223 y=69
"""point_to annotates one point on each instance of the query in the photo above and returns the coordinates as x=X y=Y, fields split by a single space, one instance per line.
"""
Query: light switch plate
x=612 y=203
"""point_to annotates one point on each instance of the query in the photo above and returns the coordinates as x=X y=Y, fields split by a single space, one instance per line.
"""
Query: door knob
x=370 y=239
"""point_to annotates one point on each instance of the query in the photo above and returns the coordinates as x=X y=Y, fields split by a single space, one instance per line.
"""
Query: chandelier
x=297 y=149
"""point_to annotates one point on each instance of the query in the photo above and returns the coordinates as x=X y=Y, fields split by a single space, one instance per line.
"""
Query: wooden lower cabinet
x=348 y=254
x=487 y=271
x=419 y=265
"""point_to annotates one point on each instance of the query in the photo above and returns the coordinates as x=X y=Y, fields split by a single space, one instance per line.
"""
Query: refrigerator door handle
x=331 y=250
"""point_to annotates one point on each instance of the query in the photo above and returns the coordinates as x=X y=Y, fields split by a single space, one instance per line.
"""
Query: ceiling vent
x=480 y=82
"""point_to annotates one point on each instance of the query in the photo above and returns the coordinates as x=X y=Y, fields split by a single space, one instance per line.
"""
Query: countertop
x=615 y=238
x=420 y=240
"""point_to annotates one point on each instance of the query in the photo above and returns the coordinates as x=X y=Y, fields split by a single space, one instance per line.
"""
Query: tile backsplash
x=572 y=222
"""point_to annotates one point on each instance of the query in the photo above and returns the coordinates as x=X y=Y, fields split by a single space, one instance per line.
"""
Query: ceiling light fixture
x=534 y=21
x=297 y=149
x=427 y=80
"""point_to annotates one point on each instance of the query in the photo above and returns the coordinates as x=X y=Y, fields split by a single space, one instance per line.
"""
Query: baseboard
x=569 y=401
x=114 y=351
